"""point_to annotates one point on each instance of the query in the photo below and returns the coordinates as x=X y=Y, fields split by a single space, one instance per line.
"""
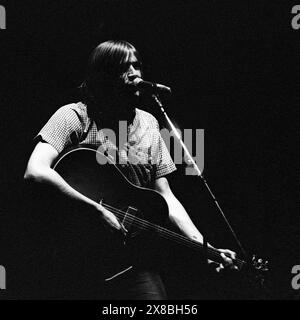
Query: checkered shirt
x=141 y=153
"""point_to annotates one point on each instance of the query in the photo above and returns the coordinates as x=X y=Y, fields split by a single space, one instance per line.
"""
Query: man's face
x=131 y=70
x=126 y=96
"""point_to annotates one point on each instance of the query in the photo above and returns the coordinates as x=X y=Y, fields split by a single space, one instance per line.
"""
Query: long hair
x=105 y=65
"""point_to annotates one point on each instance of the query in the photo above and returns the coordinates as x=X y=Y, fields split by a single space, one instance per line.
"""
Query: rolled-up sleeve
x=62 y=129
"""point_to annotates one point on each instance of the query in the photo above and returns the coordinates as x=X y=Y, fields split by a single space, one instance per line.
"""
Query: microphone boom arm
x=191 y=161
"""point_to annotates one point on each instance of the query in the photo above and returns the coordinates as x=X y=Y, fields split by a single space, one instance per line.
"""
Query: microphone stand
x=192 y=162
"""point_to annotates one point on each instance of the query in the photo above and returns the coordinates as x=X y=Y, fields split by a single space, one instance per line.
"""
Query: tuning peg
x=266 y=265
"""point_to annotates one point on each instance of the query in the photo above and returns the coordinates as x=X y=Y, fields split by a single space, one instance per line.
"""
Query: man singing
x=109 y=96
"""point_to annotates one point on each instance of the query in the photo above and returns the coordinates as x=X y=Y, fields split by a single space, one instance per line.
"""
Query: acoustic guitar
x=142 y=211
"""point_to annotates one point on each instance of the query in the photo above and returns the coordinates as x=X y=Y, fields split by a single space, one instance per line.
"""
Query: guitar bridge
x=128 y=220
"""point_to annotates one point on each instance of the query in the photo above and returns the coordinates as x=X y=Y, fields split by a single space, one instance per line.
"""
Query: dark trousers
x=136 y=285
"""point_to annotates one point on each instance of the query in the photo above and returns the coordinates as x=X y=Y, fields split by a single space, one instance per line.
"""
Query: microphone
x=150 y=86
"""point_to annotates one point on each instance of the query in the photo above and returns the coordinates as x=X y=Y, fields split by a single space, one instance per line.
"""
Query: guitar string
x=178 y=238
x=168 y=234
x=144 y=224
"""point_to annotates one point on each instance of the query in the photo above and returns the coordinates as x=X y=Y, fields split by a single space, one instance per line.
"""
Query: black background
x=233 y=67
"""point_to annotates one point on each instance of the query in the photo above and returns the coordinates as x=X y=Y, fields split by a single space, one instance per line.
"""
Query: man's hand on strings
x=228 y=262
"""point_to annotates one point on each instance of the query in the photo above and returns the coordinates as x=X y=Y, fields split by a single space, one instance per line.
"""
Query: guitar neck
x=211 y=253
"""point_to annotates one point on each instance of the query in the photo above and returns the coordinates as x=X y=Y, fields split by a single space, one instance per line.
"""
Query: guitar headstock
x=259 y=264
x=256 y=274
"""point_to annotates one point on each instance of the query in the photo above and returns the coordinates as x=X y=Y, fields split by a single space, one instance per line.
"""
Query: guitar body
x=94 y=175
